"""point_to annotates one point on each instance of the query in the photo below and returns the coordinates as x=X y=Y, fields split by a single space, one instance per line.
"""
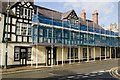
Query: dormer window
x=25 y=13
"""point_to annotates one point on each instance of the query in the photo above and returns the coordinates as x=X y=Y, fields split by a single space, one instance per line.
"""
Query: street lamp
x=6 y=38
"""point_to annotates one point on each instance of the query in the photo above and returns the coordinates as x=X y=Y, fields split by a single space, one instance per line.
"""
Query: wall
x=38 y=54
x=10 y=53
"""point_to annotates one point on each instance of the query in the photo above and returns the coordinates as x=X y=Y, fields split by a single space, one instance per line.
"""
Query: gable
x=70 y=15
x=23 y=4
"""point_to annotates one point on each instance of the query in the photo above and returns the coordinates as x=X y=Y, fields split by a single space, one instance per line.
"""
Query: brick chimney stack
x=83 y=15
x=95 y=16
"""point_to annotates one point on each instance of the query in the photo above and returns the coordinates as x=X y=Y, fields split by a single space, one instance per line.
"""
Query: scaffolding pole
x=70 y=44
x=94 y=41
x=36 y=56
x=52 y=44
x=79 y=54
x=57 y=57
x=62 y=55
x=94 y=53
x=70 y=55
x=115 y=53
x=105 y=53
x=32 y=57
x=110 y=52
x=87 y=45
x=87 y=54
x=100 y=53
x=62 y=43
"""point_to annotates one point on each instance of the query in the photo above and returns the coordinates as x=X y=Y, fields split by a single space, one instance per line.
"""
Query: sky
x=107 y=9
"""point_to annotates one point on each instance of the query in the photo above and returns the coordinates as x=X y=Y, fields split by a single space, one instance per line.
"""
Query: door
x=48 y=50
x=23 y=56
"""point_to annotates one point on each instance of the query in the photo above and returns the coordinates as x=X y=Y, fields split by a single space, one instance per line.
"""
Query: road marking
x=70 y=76
x=94 y=72
x=87 y=73
x=101 y=71
x=84 y=76
x=93 y=75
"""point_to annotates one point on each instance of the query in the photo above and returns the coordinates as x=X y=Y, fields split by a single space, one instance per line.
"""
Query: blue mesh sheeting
x=50 y=21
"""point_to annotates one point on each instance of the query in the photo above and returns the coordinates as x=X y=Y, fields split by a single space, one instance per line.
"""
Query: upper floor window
x=23 y=29
x=25 y=13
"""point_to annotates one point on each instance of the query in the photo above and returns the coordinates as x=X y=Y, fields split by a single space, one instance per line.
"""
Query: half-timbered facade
x=16 y=29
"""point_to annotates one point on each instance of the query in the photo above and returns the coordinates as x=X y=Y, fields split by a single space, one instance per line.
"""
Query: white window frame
x=25 y=26
x=26 y=15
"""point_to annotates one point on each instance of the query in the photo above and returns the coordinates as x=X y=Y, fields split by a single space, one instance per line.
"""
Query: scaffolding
x=101 y=37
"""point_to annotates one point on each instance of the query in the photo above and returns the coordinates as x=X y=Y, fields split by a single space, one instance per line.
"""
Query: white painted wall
x=1 y=27
x=38 y=54
x=11 y=53
x=1 y=36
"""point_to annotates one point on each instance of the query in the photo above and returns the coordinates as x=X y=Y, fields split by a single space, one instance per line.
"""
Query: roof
x=4 y=6
x=60 y=15
x=49 y=12
x=65 y=15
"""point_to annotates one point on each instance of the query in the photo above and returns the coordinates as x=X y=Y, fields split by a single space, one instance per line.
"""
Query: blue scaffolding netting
x=71 y=37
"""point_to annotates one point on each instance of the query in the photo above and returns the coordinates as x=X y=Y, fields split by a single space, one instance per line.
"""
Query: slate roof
x=49 y=13
x=60 y=15
x=65 y=15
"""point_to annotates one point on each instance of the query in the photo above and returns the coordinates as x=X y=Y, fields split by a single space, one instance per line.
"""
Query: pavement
x=92 y=70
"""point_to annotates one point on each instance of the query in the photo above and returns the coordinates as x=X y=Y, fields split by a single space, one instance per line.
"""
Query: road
x=98 y=70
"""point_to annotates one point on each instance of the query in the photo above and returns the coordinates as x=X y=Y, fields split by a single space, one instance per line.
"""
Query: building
x=59 y=38
x=40 y=36
x=113 y=27
x=15 y=32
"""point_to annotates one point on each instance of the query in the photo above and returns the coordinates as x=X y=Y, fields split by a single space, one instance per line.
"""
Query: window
x=76 y=53
x=29 y=30
x=89 y=52
x=102 y=51
x=22 y=53
x=66 y=35
x=41 y=32
x=18 y=28
x=21 y=11
x=84 y=52
x=23 y=29
x=16 y=54
x=29 y=54
x=25 y=13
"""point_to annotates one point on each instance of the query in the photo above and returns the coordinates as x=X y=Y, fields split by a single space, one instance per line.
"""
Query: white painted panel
x=19 y=39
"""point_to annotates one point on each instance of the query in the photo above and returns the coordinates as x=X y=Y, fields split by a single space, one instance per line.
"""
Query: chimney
x=83 y=15
x=95 y=16
x=32 y=1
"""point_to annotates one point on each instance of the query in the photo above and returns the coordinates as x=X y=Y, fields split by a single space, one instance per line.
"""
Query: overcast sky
x=107 y=9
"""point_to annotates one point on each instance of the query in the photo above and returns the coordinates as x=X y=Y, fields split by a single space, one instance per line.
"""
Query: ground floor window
x=16 y=54
x=22 y=52
x=74 y=53
x=89 y=52
x=84 y=52
x=102 y=51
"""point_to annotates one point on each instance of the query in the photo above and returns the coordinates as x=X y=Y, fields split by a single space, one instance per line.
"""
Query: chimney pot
x=95 y=17
x=83 y=14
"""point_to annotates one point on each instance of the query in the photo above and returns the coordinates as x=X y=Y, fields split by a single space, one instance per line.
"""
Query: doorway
x=23 y=56
x=48 y=50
